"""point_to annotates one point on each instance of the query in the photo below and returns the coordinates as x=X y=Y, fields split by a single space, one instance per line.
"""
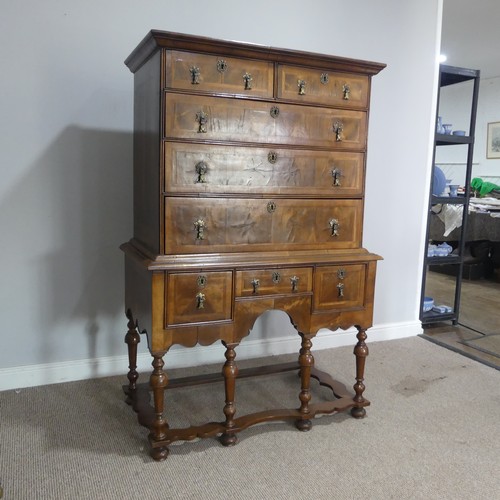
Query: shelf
x=434 y=317
x=449 y=259
x=452 y=74
x=448 y=200
x=453 y=140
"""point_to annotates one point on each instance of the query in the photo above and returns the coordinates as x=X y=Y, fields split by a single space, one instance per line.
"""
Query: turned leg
x=230 y=372
x=132 y=338
x=306 y=362
x=361 y=352
x=158 y=382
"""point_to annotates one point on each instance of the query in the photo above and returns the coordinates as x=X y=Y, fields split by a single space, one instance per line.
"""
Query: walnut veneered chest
x=249 y=170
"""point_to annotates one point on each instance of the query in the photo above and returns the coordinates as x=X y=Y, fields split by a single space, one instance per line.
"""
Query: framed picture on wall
x=493 y=142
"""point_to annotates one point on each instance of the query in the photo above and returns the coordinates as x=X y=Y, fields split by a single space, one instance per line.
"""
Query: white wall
x=455 y=107
x=66 y=150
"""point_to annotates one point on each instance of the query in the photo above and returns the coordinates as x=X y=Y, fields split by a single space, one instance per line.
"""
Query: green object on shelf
x=483 y=187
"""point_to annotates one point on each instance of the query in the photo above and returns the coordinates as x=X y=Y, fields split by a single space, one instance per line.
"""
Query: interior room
x=69 y=215
x=474 y=331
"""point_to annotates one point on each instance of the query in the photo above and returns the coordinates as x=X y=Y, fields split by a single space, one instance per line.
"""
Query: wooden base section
x=140 y=400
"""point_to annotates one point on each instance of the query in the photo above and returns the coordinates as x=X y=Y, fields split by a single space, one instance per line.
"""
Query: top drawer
x=219 y=75
x=321 y=87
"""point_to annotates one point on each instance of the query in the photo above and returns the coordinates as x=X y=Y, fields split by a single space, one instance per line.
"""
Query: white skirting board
x=178 y=357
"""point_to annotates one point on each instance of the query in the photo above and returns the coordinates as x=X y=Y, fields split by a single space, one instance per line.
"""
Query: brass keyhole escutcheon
x=271 y=207
x=324 y=78
x=276 y=278
x=221 y=66
x=275 y=111
x=272 y=157
x=202 y=281
x=341 y=274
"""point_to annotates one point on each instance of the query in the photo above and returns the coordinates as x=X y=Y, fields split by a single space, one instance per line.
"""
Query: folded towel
x=451 y=215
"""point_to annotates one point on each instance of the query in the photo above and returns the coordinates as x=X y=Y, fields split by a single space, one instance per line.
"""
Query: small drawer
x=204 y=169
x=339 y=287
x=218 y=75
x=198 y=297
x=322 y=87
x=259 y=282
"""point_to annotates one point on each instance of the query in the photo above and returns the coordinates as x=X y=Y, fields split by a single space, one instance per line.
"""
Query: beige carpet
x=431 y=433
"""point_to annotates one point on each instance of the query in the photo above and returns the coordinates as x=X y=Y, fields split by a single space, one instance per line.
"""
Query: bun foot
x=303 y=425
x=159 y=454
x=357 y=412
x=228 y=439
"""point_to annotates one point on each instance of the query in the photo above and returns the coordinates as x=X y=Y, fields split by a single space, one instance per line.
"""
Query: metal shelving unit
x=450 y=75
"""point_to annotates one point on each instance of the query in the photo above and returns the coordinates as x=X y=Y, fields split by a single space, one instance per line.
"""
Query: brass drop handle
x=294 y=280
x=247 y=78
x=200 y=226
x=340 y=287
x=336 y=174
x=346 y=90
x=255 y=283
x=338 y=128
x=200 y=300
x=201 y=169
x=195 y=75
x=302 y=87
x=202 y=119
x=334 y=226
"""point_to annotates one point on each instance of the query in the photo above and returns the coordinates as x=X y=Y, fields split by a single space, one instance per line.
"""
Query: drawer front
x=198 y=297
x=194 y=225
x=219 y=75
x=261 y=282
x=321 y=87
x=221 y=119
x=339 y=287
x=202 y=168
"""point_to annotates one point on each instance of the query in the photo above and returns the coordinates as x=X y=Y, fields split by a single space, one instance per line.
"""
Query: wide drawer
x=261 y=282
x=201 y=118
x=220 y=75
x=205 y=169
x=339 y=287
x=198 y=297
x=194 y=225
x=322 y=87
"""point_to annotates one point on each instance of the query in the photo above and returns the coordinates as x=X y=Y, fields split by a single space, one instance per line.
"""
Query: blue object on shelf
x=438 y=182
x=428 y=303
